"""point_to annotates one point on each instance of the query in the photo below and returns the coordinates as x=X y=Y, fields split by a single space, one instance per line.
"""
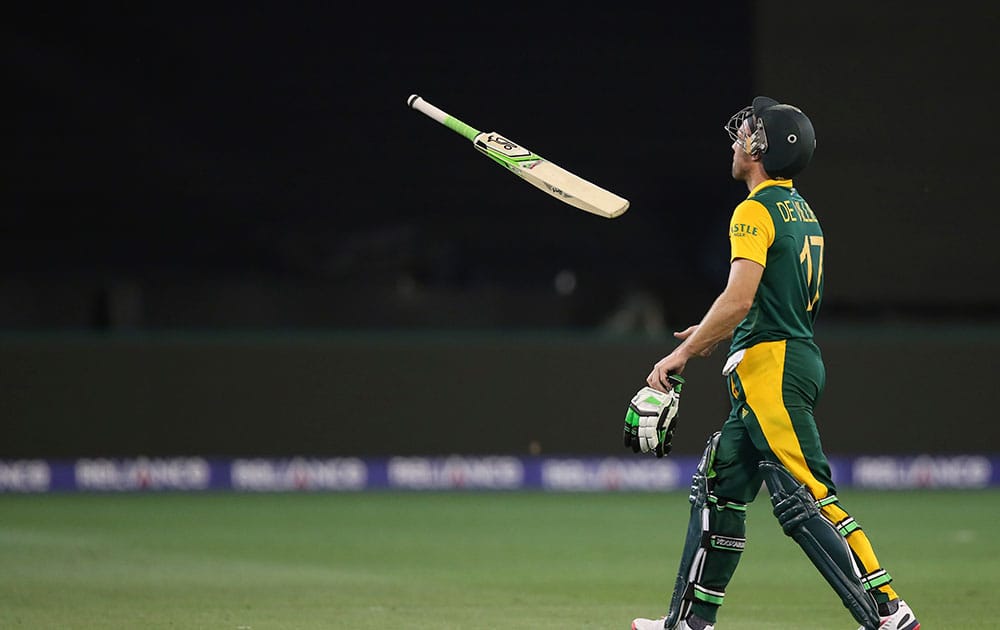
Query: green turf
x=438 y=561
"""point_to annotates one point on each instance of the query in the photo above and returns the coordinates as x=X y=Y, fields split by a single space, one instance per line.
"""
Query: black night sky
x=270 y=145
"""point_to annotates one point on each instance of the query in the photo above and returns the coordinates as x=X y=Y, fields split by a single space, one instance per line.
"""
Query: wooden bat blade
x=532 y=168
x=573 y=189
x=549 y=177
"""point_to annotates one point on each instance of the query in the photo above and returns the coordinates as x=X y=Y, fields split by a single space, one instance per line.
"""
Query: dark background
x=268 y=150
x=185 y=180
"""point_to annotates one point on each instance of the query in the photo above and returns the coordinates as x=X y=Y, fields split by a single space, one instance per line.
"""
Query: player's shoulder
x=751 y=207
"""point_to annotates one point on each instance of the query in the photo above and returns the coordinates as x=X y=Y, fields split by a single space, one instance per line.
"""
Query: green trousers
x=773 y=392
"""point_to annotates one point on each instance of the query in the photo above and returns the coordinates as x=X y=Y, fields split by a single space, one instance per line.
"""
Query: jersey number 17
x=814 y=272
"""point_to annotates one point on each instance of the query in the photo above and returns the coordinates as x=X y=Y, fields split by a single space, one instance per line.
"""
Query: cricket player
x=775 y=377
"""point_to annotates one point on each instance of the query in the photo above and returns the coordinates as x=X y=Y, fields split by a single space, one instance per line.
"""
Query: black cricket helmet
x=781 y=134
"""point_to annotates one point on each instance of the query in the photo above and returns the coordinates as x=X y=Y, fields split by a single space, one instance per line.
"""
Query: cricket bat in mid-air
x=531 y=167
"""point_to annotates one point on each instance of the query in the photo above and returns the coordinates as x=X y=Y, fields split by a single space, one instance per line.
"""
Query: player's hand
x=666 y=368
x=652 y=418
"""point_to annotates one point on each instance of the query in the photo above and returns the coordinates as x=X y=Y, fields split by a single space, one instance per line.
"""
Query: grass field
x=454 y=560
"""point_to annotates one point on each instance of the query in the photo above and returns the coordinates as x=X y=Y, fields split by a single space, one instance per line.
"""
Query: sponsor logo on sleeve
x=744 y=229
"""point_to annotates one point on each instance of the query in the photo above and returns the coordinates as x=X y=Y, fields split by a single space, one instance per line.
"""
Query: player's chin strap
x=703 y=538
x=799 y=515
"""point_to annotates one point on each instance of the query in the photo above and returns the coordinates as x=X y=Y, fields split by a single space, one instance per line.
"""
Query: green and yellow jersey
x=775 y=227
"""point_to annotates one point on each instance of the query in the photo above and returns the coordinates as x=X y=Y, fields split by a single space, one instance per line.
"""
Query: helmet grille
x=754 y=143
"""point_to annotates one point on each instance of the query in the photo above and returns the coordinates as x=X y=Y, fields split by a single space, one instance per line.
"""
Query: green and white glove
x=652 y=418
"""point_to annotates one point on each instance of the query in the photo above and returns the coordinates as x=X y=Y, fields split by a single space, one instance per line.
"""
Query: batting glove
x=652 y=418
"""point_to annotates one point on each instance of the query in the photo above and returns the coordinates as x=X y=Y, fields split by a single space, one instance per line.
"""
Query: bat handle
x=419 y=104
x=449 y=121
x=677 y=381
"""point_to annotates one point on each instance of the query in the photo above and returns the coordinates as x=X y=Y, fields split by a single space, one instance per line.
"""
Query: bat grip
x=422 y=106
x=449 y=121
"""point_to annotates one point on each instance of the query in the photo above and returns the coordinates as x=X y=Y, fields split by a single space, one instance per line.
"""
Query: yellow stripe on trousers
x=761 y=372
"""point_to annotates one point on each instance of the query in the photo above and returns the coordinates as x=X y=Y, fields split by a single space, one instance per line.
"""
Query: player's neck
x=756 y=178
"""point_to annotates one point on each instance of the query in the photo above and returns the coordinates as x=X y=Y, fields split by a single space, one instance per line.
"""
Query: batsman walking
x=775 y=377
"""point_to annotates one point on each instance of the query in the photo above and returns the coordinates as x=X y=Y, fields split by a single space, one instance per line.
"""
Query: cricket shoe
x=902 y=619
x=657 y=624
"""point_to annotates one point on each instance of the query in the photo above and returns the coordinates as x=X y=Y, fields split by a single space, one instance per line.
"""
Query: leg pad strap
x=800 y=518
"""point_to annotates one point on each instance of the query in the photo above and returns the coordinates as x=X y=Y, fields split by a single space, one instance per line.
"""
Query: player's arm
x=751 y=233
x=728 y=310
x=722 y=317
